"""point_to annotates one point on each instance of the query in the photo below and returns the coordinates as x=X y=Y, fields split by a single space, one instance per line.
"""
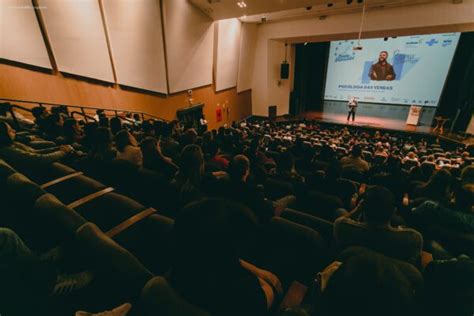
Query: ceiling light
x=242 y=4
x=305 y=43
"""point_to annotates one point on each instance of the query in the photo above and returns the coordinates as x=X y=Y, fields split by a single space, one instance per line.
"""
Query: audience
x=128 y=148
x=386 y=181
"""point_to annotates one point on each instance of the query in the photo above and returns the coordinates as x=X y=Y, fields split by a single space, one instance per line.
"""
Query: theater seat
x=151 y=240
x=159 y=298
x=103 y=252
x=5 y=170
x=290 y=250
x=55 y=223
x=47 y=173
x=326 y=206
x=322 y=226
x=75 y=188
x=276 y=189
x=109 y=210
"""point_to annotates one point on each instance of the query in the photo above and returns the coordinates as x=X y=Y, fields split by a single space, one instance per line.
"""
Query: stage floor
x=366 y=121
x=384 y=116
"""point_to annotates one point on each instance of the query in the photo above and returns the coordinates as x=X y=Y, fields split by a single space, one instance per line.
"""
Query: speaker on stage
x=285 y=70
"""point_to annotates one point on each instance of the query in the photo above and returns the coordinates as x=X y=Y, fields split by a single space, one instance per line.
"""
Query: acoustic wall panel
x=189 y=45
x=136 y=38
x=247 y=56
x=227 y=53
x=77 y=37
x=20 y=35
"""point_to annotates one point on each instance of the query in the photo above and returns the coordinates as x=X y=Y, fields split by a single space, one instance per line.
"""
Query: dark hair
x=5 y=139
x=191 y=166
x=286 y=162
x=449 y=287
x=465 y=197
x=103 y=121
x=115 y=125
x=356 y=151
x=212 y=148
x=369 y=284
x=69 y=131
x=210 y=236
x=122 y=140
x=238 y=167
x=438 y=187
x=37 y=111
x=378 y=205
x=384 y=51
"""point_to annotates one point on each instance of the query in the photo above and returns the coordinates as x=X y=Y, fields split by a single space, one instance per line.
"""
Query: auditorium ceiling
x=260 y=11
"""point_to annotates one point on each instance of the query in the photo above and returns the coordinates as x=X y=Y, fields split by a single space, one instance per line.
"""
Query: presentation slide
x=401 y=70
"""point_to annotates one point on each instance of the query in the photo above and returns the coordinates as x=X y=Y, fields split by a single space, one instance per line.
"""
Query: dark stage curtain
x=459 y=88
x=310 y=74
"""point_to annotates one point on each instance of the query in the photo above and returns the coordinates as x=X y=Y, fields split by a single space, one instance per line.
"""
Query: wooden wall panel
x=25 y=84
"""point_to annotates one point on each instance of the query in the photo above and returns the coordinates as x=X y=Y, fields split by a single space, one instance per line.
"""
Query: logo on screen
x=432 y=42
x=344 y=51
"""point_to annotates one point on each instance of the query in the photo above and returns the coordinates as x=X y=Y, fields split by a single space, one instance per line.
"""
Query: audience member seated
x=239 y=189
x=10 y=150
x=128 y=148
x=154 y=159
x=375 y=231
x=169 y=146
x=286 y=171
x=215 y=157
x=438 y=188
x=458 y=217
x=102 y=149
x=29 y=282
x=355 y=161
x=449 y=287
x=364 y=282
x=207 y=269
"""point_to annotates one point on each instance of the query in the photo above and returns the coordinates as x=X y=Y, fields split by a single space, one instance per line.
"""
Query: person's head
x=7 y=134
x=383 y=56
x=148 y=127
x=191 y=166
x=102 y=139
x=210 y=237
x=190 y=136
x=115 y=125
x=378 y=206
x=356 y=151
x=71 y=127
x=150 y=149
x=103 y=121
x=464 y=197
x=286 y=162
x=467 y=174
x=39 y=112
x=124 y=139
x=56 y=119
x=239 y=168
x=370 y=284
x=439 y=184
x=449 y=287
x=213 y=148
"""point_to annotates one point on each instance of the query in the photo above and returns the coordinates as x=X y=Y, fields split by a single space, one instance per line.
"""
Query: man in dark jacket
x=382 y=70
